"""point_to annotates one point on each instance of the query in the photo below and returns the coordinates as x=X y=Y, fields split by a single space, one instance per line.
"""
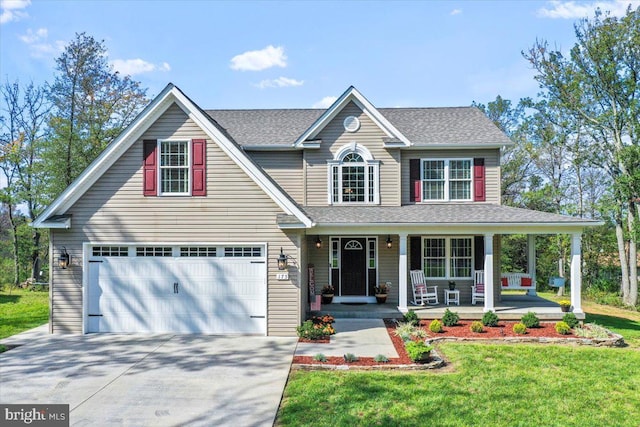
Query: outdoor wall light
x=65 y=259
x=282 y=261
x=318 y=242
x=389 y=242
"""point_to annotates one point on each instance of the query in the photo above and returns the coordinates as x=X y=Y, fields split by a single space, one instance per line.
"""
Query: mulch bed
x=462 y=330
x=504 y=329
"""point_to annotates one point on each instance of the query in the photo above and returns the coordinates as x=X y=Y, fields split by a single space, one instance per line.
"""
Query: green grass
x=488 y=385
x=22 y=310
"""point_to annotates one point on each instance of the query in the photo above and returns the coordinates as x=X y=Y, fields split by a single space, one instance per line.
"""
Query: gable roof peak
x=351 y=95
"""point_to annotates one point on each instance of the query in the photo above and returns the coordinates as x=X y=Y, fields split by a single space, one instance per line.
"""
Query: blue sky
x=248 y=54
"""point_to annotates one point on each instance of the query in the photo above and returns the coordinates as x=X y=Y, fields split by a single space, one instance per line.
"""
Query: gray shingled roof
x=422 y=126
x=427 y=214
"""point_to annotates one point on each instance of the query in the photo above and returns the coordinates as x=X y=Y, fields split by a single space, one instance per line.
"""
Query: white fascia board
x=108 y=157
x=66 y=224
x=351 y=94
x=269 y=148
x=439 y=228
x=454 y=146
x=240 y=158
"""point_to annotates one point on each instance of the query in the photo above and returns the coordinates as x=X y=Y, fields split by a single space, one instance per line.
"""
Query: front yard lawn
x=22 y=310
x=492 y=385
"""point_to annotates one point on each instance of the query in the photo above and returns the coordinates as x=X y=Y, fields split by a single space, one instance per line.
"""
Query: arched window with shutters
x=353 y=176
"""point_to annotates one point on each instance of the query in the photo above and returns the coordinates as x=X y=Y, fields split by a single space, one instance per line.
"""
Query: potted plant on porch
x=381 y=292
x=565 y=305
x=327 y=294
x=452 y=285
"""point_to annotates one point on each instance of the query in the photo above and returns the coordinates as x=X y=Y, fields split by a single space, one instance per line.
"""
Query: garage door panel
x=210 y=295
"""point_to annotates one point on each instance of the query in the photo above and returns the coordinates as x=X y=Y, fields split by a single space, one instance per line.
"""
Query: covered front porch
x=511 y=307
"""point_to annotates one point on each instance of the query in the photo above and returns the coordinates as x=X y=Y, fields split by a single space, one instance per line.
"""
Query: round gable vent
x=351 y=124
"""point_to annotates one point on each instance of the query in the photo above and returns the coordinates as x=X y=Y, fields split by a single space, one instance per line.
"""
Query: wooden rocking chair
x=421 y=292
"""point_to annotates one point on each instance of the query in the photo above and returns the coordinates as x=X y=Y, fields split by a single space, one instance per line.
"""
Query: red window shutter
x=415 y=184
x=150 y=168
x=478 y=180
x=199 y=167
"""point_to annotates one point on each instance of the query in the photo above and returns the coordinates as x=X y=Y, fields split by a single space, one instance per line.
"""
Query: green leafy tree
x=598 y=86
x=92 y=104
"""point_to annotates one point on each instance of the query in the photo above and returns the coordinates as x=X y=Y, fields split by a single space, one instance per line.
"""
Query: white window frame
x=447 y=180
x=371 y=196
x=448 y=257
x=161 y=168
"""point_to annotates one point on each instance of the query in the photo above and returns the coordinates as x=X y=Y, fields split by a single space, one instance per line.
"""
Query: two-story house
x=186 y=221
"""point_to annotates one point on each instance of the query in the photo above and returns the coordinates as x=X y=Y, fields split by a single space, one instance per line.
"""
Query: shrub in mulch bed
x=504 y=329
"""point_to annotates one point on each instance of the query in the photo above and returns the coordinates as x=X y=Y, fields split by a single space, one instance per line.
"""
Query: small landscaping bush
x=476 y=326
x=316 y=328
x=519 y=328
x=418 y=350
x=562 y=328
x=410 y=317
x=530 y=320
x=381 y=358
x=450 y=318
x=571 y=320
x=419 y=333
x=320 y=357
x=404 y=330
x=490 y=319
x=350 y=357
x=592 y=330
x=435 y=326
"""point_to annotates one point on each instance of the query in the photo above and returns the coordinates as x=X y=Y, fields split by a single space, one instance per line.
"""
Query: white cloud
x=573 y=9
x=256 y=60
x=39 y=45
x=456 y=12
x=325 y=102
x=131 y=67
x=10 y=10
x=279 y=82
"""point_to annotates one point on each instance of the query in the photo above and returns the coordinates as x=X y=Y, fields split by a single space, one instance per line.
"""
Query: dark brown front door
x=353 y=267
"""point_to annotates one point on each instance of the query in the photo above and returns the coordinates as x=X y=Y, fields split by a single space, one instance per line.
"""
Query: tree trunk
x=16 y=261
x=35 y=256
x=624 y=265
x=632 y=295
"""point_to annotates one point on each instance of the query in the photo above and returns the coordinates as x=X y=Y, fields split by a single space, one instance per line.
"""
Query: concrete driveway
x=151 y=380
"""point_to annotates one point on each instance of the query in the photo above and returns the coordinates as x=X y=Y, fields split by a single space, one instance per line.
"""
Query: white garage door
x=184 y=289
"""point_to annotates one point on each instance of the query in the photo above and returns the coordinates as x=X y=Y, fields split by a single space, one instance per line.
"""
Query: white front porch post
x=531 y=261
x=402 y=272
x=576 y=272
x=488 y=272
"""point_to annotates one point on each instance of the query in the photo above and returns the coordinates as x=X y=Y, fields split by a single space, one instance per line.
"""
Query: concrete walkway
x=149 y=380
x=362 y=337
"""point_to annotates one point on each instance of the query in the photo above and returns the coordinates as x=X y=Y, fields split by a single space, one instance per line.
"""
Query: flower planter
x=381 y=298
x=327 y=298
x=565 y=308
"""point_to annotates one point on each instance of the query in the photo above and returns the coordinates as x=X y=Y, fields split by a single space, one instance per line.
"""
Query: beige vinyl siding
x=320 y=260
x=235 y=210
x=334 y=137
x=285 y=167
x=388 y=266
x=491 y=163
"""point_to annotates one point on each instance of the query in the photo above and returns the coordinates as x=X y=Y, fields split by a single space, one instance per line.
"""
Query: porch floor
x=512 y=307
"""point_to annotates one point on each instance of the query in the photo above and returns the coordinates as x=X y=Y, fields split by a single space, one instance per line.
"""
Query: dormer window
x=353 y=176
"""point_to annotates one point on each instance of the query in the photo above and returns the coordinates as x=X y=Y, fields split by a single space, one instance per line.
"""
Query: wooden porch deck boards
x=512 y=307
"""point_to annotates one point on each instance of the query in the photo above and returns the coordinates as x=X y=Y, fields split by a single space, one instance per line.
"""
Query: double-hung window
x=446 y=179
x=448 y=257
x=353 y=177
x=174 y=167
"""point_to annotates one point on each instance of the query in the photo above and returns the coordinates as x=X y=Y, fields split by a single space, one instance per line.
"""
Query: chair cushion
x=480 y=287
x=525 y=281
x=504 y=281
x=421 y=289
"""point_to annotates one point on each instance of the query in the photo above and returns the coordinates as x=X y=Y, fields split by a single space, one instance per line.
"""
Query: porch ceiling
x=465 y=217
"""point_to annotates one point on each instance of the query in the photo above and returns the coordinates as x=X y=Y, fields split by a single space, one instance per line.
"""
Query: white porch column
x=488 y=272
x=576 y=272
x=531 y=261
x=402 y=272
